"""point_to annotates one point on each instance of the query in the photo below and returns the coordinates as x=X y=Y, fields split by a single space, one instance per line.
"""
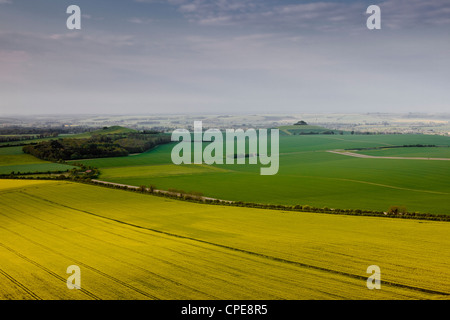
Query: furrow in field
x=203 y=259
x=97 y=240
x=86 y=292
x=272 y=258
x=78 y=263
x=20 y=285
x=192 y=259
x=63 y=255
x=122 y=261
x=187 y=260
x=61 y=216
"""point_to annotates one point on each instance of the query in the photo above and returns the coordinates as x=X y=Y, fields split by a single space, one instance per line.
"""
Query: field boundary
x=199 y=198
x=294 y=208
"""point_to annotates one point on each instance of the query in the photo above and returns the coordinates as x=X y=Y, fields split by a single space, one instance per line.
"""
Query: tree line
x=36 y=131
x=27 y=137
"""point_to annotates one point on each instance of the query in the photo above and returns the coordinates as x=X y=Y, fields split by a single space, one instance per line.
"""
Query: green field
x=308 y=175
x=12 y=159
x=134 y=246
x=164 y=170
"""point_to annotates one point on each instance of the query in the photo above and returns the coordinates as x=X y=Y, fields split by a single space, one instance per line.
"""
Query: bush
x=397 y=210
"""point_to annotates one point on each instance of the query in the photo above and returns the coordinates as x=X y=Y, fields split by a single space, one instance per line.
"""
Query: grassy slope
x=309 y=175
x=112 y=130
x=136 y=246
x=13 y=159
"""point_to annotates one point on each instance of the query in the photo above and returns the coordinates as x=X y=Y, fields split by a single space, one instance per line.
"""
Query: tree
x=397 y=210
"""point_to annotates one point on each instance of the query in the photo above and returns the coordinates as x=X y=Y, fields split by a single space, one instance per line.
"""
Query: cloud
x=220 y=12
x=402 y=14
x=140 y=20
x=232 y=54
x=317 y=15
x=173 y=2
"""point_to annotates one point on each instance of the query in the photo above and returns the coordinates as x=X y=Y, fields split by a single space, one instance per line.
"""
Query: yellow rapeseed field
x=134 y=246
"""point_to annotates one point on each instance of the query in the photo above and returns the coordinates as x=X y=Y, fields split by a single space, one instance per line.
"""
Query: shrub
x=397 y=210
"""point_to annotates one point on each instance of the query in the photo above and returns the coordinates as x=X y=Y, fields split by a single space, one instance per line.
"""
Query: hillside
x=112 y=130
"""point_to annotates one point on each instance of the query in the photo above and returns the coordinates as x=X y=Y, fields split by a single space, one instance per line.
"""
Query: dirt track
x=357 y=155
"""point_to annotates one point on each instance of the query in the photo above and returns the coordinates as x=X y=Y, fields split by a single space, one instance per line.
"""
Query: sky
x=224 y=56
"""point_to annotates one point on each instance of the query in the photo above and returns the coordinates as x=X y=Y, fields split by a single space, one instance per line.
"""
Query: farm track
x=393 y=187
x=365 y=156
x=379 y=185
x=261 y=255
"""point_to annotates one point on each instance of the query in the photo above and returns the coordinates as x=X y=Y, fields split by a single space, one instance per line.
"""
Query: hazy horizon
x=223 y=57
x=218 y=113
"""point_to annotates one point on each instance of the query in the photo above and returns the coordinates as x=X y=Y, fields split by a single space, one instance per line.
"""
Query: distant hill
x=113 y=130
x=305 y=130
x=103 y=131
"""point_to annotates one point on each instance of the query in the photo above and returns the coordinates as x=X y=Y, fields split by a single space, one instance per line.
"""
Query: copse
x=98 y=146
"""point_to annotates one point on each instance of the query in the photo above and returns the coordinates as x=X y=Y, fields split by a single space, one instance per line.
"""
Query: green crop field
x=308 y=174
x=159 y=155
x=157 y=171
x=12 y=159
x=134 y=246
